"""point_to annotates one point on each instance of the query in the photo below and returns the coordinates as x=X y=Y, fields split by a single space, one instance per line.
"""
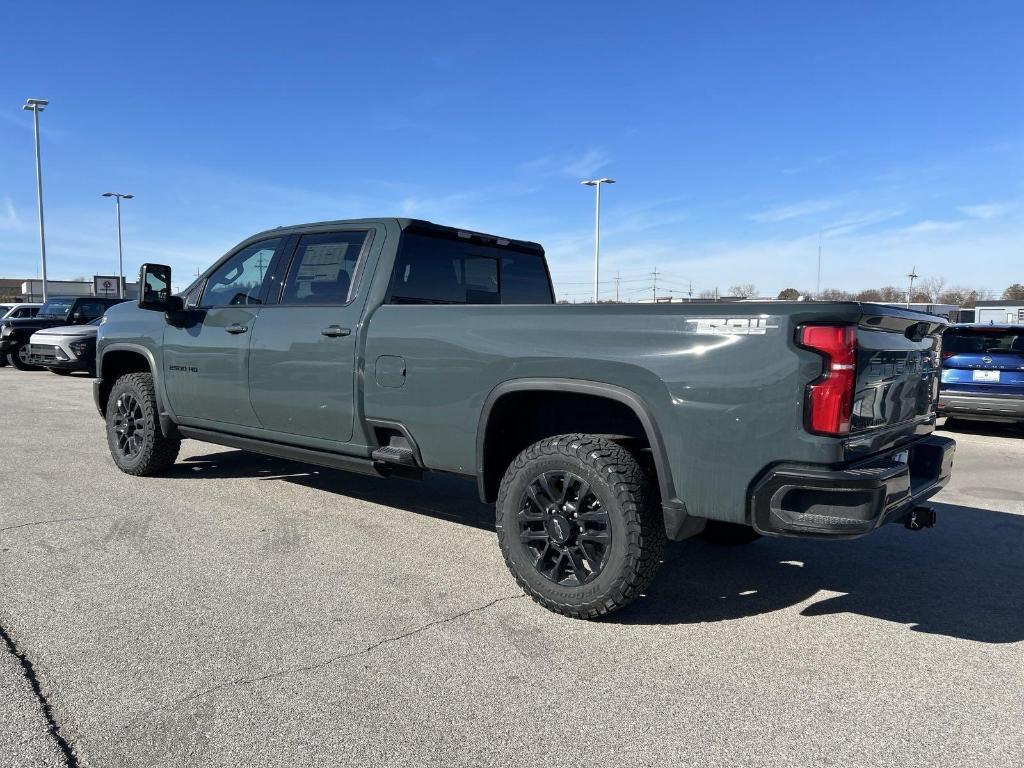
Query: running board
x=282 y=451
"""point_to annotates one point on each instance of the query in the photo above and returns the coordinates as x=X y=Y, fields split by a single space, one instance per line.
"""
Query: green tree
x=789 y=294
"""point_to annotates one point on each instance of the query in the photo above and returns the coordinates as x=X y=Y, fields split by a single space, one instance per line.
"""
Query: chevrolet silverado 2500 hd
x=396 y=346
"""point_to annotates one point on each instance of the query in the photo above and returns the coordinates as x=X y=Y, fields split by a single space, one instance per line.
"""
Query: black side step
x=393 y=454
x=282 y=451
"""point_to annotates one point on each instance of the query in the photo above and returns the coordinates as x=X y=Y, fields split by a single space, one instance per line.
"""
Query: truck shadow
x=964 y=578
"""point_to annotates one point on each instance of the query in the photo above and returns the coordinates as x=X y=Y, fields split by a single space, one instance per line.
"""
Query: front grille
x=43 y=352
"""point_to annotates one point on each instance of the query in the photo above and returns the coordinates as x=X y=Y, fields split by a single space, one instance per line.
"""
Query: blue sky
x=736 y=132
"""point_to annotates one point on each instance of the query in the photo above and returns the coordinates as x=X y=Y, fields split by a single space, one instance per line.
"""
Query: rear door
x=206 y=358
x=983 y=360
x=303 y=349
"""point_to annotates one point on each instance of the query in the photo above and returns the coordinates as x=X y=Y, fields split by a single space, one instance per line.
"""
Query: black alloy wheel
x=129 y=426
x=564 y=528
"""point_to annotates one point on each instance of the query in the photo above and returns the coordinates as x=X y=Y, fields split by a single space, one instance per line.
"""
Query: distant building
x=101 y=285
x=1002 y=311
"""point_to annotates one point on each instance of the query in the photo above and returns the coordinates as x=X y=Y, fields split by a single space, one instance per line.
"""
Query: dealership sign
x=105 y=285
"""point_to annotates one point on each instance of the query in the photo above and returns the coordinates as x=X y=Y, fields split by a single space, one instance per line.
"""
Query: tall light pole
x=120 y=254
x=596 y=184
x=35 y=106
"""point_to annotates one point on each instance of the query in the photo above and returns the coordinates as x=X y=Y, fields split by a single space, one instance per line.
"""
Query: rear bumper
x=793 y=500
x=981 y=406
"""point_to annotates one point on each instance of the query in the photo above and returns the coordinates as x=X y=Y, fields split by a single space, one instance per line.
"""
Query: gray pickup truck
x=394 y=346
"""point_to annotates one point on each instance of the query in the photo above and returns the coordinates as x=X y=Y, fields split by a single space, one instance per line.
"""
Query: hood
x=69 y=330
x=35 y=322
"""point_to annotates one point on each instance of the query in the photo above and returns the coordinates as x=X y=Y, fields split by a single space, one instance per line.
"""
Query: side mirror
x=155 y=287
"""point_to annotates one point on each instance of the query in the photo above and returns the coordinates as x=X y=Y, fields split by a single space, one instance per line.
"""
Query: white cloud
x=793 y=211
x=987 y=210
x=9 y=219
x=577 y=165
x=929 y=226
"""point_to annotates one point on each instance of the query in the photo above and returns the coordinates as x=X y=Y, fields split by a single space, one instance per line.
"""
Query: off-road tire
x=729 y=534
x=157 y=451
x=20 y=364
x=634 y=518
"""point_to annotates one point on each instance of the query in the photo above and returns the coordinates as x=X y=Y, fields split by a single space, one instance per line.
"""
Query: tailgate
x=898 y=368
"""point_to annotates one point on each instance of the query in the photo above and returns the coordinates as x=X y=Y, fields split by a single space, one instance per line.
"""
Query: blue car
x=983 y=372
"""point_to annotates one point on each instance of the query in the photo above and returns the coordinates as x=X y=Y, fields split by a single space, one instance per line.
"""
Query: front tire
x=19 y=359
x=137 y=444
x=578 y=526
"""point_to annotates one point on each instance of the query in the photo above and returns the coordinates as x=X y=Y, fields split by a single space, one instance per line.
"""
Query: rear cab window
x=323 y=268
x=439 y=268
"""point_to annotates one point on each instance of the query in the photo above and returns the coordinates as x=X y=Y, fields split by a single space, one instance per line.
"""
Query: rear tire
x=137 y=444
x=729 y=534
x=19 y=359
x=597 y=546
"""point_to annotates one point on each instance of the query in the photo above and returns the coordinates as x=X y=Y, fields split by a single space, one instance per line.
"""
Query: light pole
x=596 y=184
x=120 y=254
x=35 y=106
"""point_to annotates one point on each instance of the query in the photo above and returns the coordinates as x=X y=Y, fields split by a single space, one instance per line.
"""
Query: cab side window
x=239 y=281
x=323 y=268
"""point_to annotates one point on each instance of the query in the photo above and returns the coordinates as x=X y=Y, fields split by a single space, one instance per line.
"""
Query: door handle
x=236 y=328
x=334 y=331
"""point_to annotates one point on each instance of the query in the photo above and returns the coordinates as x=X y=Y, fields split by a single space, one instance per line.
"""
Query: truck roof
x=404 y=224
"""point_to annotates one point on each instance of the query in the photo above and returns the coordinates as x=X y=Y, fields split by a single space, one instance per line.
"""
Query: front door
x=302 y=354
x=206 y=358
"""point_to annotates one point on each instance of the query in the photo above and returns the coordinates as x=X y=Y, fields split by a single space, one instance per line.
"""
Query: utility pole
x=817 y=290
x=910 y=291
x=35 y=106
x=689 y=292
x=596 y=184
x=618 y=278
x=654 y=287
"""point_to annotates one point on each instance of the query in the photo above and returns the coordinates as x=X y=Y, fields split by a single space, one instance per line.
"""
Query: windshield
x=983 y=341
x=56 y=308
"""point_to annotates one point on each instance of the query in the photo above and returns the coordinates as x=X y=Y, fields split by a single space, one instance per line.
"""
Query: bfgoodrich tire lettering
x=617 y=486
x=136 y=442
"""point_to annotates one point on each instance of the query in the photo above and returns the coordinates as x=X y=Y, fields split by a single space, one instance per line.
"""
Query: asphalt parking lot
x=251 y=611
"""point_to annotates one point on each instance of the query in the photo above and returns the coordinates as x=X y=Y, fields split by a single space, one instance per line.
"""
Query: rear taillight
x=947 y=355
x=830 y=398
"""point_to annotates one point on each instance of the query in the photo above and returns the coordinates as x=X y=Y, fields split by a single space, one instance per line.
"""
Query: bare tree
x=834 y=294
x=707 y=293
x=892 y=293
x=1014 y=292
x=746 y=290
x=957 y=294
x=789 y=294
x=932 y=287
x=871 y=294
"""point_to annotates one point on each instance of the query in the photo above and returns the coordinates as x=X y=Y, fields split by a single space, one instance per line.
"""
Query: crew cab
x=393 y=347
x=55 y=311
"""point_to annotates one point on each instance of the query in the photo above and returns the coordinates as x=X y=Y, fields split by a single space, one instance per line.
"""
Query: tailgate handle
x=917 y=331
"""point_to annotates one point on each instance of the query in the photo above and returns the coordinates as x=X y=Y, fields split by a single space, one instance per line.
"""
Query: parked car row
x=59 y=335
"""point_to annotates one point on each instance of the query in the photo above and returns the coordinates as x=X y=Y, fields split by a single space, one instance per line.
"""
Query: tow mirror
x=155 y=287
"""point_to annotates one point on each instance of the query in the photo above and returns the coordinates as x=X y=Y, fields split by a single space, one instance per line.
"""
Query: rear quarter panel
x=728 y=402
